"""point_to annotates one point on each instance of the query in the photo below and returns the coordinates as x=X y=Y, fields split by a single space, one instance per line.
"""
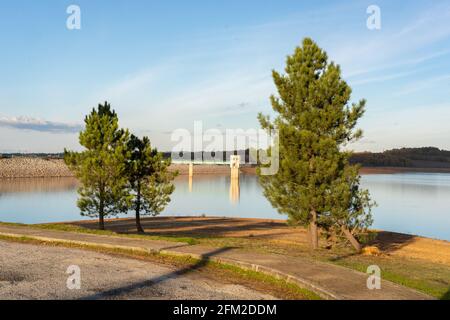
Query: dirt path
x=38 y=272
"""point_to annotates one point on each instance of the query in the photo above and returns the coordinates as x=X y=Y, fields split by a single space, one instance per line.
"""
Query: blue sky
x=165 y=64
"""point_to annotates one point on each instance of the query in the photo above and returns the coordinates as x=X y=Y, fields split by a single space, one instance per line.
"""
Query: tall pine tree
x=315 y=184
x=101 y=166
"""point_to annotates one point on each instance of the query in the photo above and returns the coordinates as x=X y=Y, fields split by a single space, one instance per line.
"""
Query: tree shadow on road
x=446 y=296
x=128 y=289
x=196 y=227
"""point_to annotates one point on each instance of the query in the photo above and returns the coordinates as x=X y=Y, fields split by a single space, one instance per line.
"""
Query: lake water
x=415 y=203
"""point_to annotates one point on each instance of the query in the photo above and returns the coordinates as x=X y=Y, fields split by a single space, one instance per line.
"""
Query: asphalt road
x=38 y=272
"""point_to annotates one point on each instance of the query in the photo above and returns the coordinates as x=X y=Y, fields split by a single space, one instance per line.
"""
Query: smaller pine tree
x=100 y=167
x=149 y=180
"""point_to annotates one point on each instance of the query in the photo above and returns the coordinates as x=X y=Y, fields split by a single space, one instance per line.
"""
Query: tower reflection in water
x=234 y=190
x=234 y=180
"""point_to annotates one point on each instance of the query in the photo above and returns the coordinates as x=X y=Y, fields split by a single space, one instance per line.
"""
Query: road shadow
x=128 y=289
x=446 y=296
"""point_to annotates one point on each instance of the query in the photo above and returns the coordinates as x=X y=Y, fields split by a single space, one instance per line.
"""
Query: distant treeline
x=427 y=157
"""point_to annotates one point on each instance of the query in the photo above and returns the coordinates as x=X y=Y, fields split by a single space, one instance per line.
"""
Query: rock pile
x=22 y=167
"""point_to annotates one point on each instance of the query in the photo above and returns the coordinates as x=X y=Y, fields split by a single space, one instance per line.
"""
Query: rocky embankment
x=33 y=168
x=23 y=167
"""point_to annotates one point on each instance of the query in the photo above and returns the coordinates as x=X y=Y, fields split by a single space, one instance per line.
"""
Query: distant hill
x=428 y=157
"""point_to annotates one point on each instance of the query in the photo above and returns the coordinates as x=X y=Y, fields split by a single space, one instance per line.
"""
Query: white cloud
x=407 y=62
x=36 y=124
x=369 y=52
x=383 y=78
x=422 y=84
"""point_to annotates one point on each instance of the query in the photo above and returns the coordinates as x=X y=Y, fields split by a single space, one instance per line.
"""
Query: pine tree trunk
x=313 y=231
x=351 y=238
x=138 y=222
x=101 y=211
x=101 y=221
x=138 y=210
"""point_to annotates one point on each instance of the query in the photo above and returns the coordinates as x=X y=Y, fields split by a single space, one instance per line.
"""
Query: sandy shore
x=39 y=167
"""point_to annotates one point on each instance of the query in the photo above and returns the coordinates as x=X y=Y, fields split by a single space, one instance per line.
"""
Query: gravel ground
x=38 y=272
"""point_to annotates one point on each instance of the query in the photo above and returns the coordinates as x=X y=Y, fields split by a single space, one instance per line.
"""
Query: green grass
x=77 y=229
x=430 y=278
x=225 y=270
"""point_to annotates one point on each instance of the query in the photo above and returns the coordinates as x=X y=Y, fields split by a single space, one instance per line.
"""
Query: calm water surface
x=415 y=203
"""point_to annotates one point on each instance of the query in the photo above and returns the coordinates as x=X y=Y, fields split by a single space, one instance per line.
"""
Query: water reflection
x=20 y=185
x=415 y=203
x=38 y=200
x=411 y=203
x=234 y=190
